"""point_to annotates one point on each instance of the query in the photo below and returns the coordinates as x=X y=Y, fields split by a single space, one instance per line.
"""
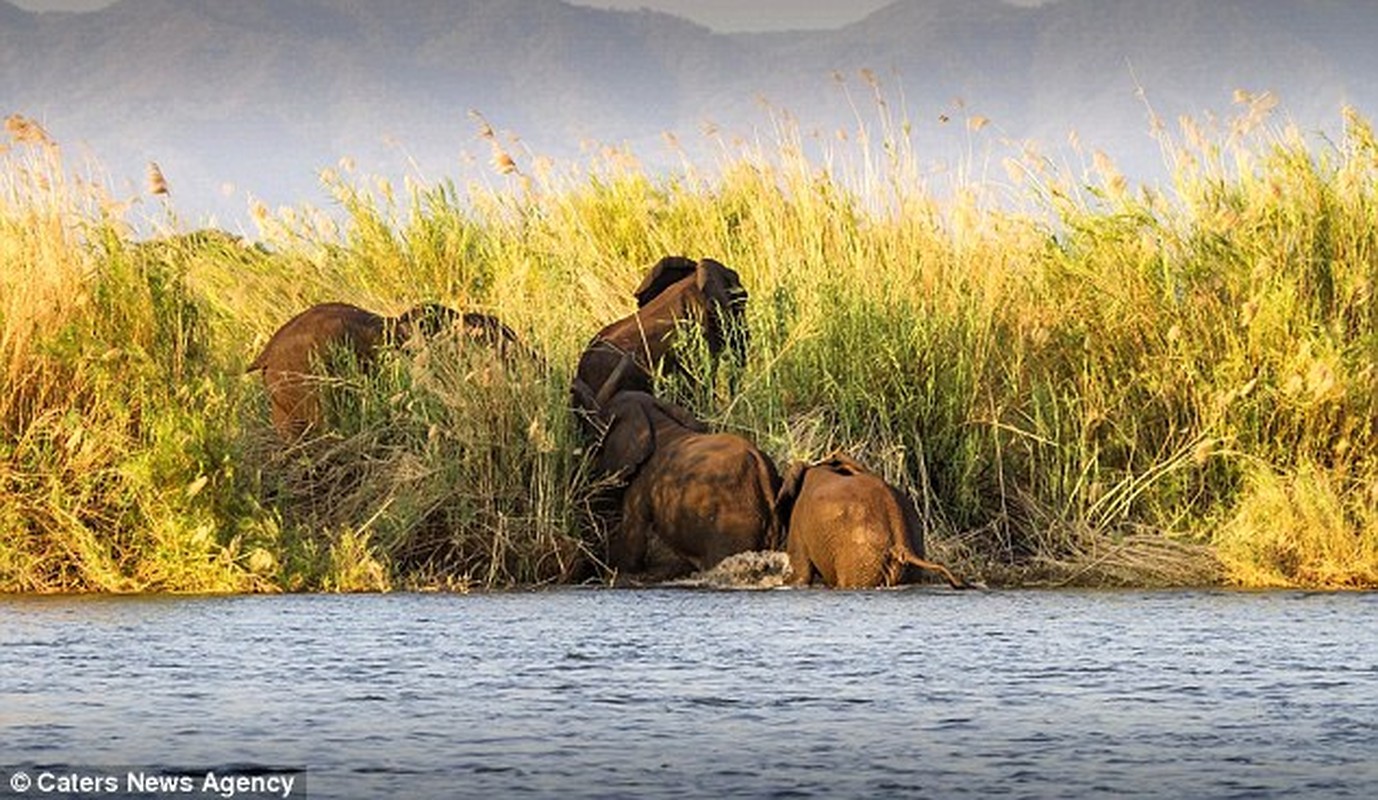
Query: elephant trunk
x=613 y=382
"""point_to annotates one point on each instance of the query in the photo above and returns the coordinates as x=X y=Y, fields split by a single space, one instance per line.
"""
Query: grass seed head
x=157 y=184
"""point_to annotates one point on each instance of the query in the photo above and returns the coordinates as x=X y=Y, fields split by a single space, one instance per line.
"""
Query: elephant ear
x=722 y=288
x=791 y=483
x=582 y=397
x=666 y=273
x=630 y=438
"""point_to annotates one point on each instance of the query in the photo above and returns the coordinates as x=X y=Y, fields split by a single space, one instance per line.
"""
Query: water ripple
x=672 y=693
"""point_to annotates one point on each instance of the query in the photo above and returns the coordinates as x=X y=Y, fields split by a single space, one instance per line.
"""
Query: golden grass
x=1080 y=380
x=1312 y=527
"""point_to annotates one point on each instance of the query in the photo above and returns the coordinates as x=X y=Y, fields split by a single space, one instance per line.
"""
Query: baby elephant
x=849 y=527
x=297 y=355
x=693 y=498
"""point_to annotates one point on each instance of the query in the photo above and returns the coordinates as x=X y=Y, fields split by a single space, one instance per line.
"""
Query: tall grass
x=1081 y=380
x=114 y=434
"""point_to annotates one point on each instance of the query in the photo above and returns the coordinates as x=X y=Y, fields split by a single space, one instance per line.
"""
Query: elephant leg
x=894 y=571
x=801 y=570
x=628 y=542
x=295 y=404
x=285 y=423
x=663 y=562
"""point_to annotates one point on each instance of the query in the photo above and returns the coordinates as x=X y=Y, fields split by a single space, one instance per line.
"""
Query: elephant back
x=308 y=334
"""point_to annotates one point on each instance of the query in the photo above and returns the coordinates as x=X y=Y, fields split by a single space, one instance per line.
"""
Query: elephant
x=677 y=289
x=297 y=355
x=692 y=497
x=846 y=525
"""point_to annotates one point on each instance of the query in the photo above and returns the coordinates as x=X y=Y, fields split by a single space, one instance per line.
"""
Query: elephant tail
x=901 y=555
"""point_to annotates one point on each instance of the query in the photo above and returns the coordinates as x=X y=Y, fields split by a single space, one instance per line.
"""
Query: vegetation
x=1080 y=380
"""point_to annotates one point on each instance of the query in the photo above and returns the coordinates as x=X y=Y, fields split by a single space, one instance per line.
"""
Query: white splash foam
x=755 y=569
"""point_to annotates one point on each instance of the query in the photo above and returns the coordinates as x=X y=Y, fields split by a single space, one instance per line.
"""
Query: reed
x=1081 y=380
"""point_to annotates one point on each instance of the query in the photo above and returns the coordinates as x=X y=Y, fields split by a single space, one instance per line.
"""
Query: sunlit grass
x=1080 y=379
x=1311 y=527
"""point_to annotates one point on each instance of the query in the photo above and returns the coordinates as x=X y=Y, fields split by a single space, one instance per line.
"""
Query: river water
x=919 y=692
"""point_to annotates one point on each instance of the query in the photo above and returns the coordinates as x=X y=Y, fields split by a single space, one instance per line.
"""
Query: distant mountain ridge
x=260 y=94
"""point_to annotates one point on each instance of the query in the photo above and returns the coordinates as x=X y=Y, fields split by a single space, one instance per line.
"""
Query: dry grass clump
x=1311 y=527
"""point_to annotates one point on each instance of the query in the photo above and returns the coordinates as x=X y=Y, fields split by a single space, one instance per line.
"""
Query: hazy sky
x=744 y=15
x=725 y=15
x=61 y=5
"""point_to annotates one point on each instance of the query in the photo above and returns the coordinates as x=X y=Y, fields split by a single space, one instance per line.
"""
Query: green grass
x=1081 y=380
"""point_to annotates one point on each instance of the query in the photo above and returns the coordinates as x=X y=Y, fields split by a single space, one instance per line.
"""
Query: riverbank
x=1080 y=380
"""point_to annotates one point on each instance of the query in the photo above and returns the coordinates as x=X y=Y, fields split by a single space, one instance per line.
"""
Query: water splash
x=752 y=570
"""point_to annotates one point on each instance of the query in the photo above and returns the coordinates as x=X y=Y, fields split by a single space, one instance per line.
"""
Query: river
x=919 y=692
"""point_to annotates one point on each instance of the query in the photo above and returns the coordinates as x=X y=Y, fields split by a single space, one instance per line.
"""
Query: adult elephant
x=675 y=291
x=692 y=497
x=848 y=527
x=298 y=355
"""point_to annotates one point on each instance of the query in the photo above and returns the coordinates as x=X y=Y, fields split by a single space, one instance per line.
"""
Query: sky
x=721 y=15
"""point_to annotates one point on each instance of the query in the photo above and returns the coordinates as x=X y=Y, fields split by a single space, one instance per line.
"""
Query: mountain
x=236 y=97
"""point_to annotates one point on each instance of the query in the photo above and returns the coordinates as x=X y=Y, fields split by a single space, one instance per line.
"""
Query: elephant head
x=426 y=320
x=721 y=289
x=848 y=527
x=725 y=325
x=432 y=319
x=675 y=290
x=692 y=497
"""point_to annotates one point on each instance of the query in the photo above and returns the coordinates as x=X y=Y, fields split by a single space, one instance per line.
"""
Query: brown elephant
x=676 y=290
x=297 y=355
x=692 y=497
x=848 y=527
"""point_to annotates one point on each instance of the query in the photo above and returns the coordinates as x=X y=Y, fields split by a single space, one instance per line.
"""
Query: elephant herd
x=684 y=497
